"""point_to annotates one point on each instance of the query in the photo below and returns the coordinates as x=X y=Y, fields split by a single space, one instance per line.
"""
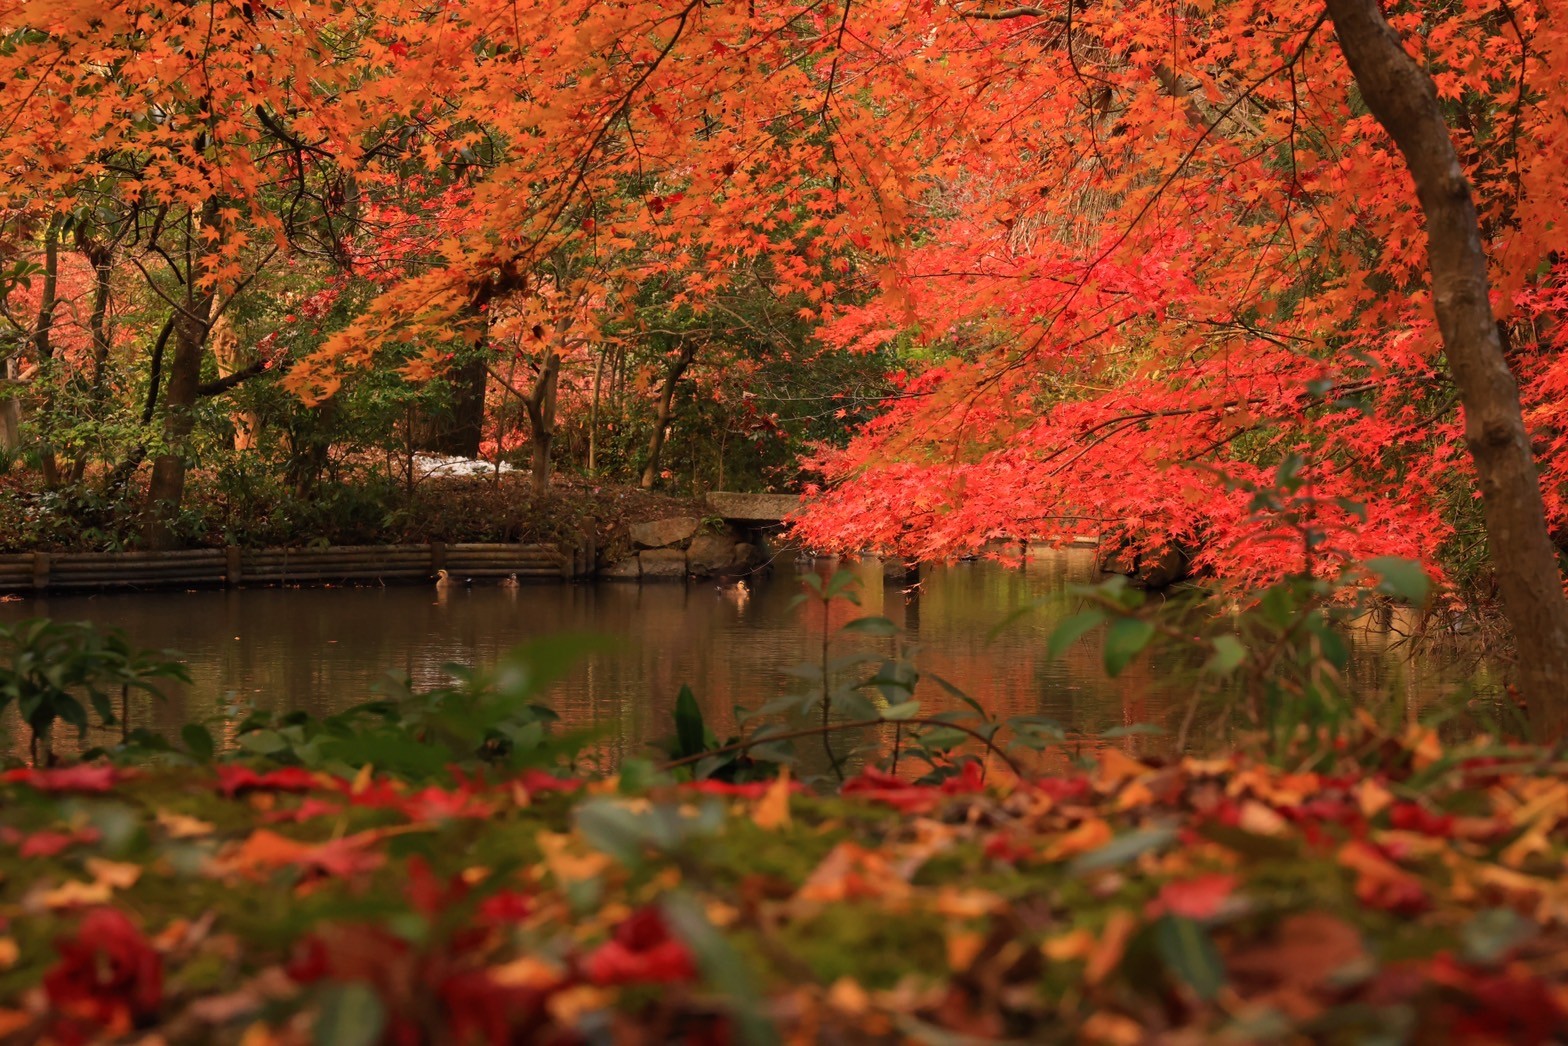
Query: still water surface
x=323 y=649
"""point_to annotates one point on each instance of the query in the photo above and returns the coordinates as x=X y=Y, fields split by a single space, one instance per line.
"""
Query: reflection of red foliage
x=85 y=777
x=641 y=951
x=108 y=976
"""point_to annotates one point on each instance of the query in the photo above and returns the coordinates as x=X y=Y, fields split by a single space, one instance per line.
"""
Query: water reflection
x=323 y=649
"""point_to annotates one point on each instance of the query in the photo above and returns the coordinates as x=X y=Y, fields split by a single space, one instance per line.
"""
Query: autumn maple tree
x=1139 y=261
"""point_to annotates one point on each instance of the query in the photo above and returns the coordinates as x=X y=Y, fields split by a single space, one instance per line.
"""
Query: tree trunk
x=661 y=422
x=541 y=421
x=1403 y=98
x=167 y=487
x=593 y=416
x=43 y=346
x=233 y=359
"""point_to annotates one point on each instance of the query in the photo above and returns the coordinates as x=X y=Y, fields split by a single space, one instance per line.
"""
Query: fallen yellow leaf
x=1077 y=944
x=962 y=948
x=847 y=996
x=1372 y=798
x=75 y=894
x=1109 y=949
x=117 y=875
x=772 y=811
x=182 y=826
x=1090 y=835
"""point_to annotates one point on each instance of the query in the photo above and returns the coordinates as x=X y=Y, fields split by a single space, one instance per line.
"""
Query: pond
x=324 y=649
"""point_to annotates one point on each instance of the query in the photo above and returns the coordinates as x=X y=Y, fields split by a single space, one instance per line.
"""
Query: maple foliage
x=1133 y=259
x=1399 y=888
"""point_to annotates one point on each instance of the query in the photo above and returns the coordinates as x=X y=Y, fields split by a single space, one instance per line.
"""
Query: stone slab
x=663 y=533
x=663 y=564
x=752 y=508
x=628 y=569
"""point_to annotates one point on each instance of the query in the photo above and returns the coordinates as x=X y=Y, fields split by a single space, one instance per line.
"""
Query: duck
x=445 y=581
x=510 y=581
x=738 y=593
x=804 y=558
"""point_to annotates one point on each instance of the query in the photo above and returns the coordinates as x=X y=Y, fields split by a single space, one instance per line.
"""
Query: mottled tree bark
x=666 y=412
x=1403 y=98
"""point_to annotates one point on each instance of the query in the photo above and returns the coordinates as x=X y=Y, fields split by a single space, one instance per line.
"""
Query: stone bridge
x=752 y=510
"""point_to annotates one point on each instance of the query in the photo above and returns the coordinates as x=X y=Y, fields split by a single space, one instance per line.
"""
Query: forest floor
x=1395 y=893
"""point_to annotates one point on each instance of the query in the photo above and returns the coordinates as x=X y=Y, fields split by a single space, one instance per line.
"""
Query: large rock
x=724 y=553
x=752 y=508
x=1145 y=570
x=628 y=569
x=664 y=533
x=663 y=564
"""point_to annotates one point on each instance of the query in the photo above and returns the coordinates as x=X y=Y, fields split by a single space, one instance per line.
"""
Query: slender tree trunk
x=100 y=258
x=661 y=421
x=540 y=406
x=43 y=327
x=43 y=345
x=593 y=416
x=167 y=488
x=1403 y=98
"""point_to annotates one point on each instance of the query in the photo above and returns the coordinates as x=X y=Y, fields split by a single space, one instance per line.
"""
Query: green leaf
x=198 y=741
x=1228 y=655
x=1123 y=849
x=900 y=711
x=725 y=969
x=1189 y=954
x=871 y=626
x=1132 y=730
x=1494 y=932
x=351 y=1015
x=1071 y=630
x=1124 y=640
x=690 y=731
x=262 y=742
x=1401 y=578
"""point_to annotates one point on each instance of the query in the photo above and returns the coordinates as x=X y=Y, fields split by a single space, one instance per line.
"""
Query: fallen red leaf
x=85 y=777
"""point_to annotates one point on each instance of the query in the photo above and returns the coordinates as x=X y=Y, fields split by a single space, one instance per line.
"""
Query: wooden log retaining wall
x=220 y=567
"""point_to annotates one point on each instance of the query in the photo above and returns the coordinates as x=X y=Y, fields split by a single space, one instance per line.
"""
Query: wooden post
x=232 y=566
x=437 y=555
x=40 y=571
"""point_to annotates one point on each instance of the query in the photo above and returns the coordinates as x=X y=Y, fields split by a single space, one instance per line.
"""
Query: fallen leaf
x=1108 y=950
x=118 y=875
x=1372 y=798
x=1200 y=898
x=1112 y=1029
x=76 y=894
x=183 y=826
x=1090 y=835
x=772 y=811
